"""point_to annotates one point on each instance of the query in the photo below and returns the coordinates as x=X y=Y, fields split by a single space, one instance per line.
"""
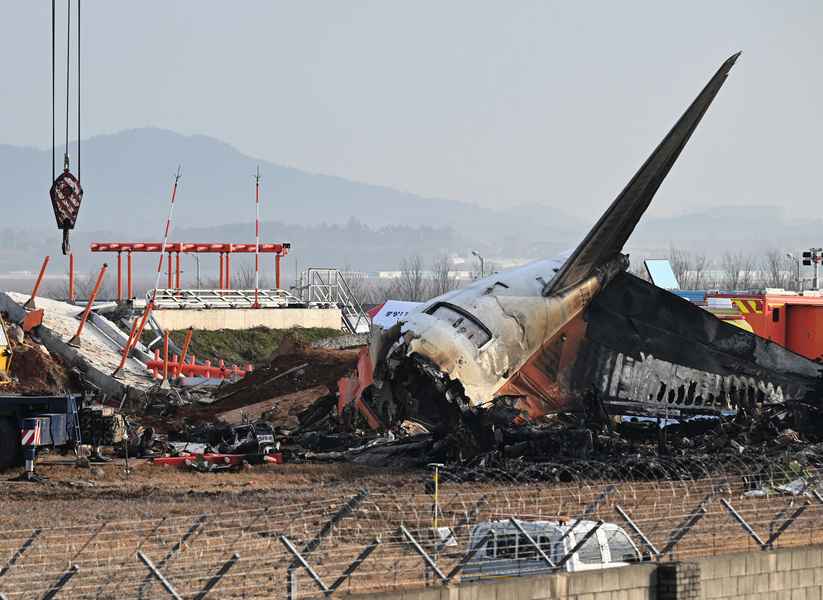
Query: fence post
x=17 y=555
x=679 y=532
x=746 y=527
x=302 y=562
x=633 y=526
x=64 y=579
x=531 y=541
x=419 y=549
x=593 y=506
x=175 y=549
x=344 y=511
x=218 y=576
x=469 y=517
x=96 y=532
x=579 y=544
x=773 y=537
x=364 y=554
x=469 y=555
x=154 y=571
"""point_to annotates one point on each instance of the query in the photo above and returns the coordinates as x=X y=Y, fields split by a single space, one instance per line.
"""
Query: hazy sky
x=501 y=103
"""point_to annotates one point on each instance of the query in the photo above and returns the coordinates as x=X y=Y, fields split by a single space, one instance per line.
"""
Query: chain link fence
x=509 y=520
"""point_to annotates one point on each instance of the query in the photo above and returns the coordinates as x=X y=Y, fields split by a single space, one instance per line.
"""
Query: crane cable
x=53 y=93
x=78 y=91
x=66 y=192
x=68 y=89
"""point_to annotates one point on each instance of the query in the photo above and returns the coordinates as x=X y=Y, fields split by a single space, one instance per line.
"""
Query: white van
x=508 y=553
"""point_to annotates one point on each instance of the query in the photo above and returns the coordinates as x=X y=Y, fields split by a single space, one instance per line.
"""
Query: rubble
x=296 y=375
x=35 y=371
x=97 y=346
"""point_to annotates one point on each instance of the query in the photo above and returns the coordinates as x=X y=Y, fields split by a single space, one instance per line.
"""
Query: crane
x=66 y=192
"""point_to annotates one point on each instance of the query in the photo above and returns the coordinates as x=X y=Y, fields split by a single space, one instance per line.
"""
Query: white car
x=508 y=553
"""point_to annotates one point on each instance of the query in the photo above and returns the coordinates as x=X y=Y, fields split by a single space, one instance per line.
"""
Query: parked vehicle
x=33 y=422
x=508 y=553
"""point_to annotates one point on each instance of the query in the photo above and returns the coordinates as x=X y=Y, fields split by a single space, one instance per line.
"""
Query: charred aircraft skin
x=554 y=335
x=472 y=341
x=647 y=351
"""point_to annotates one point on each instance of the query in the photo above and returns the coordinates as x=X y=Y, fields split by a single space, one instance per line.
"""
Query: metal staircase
x=329 y=287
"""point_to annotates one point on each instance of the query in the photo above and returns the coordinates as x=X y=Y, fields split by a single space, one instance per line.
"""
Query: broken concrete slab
x=97 y=347
x=97 y=357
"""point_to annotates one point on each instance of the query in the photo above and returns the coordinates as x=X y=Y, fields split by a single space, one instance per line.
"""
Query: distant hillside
x=329 y=220
x=127 y=177
x=751 y=230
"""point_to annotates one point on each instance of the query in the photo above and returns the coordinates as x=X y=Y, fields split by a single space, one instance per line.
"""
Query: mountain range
x=329 y=220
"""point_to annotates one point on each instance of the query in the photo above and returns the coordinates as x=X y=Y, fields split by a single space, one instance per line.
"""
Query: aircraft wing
x=607 y=237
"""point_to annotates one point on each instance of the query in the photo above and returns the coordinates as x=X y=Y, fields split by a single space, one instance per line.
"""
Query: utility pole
x=482 y=263
x=197 y=263
x=814 y=256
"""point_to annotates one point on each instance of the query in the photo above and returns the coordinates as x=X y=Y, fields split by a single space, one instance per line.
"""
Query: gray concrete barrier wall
x=791 y=573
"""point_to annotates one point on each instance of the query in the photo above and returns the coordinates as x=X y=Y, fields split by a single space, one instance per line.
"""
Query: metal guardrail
x=329 y=286
x=201 y=299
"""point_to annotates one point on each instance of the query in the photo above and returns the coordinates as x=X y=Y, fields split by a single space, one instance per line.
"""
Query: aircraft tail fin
x=607 y=237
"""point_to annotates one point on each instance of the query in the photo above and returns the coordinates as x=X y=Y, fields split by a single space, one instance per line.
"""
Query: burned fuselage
x=631 y=347
x=559 y=335
x=474 y=345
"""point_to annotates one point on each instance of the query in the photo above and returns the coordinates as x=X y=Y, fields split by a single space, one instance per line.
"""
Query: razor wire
x=671 y=509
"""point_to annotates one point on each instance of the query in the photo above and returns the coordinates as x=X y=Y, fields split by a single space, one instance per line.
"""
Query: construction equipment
x=29 y=423
x=795 y=321
x=5 y=354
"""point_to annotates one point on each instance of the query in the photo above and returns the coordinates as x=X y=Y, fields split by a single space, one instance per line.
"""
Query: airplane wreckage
x=568 y=335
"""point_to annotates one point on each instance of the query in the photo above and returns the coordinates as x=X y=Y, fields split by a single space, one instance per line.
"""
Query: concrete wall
x=637 y=582
x=245 y=318
x=790 y=574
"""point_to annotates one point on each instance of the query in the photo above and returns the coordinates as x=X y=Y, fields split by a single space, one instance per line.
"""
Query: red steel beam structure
x=174 y=279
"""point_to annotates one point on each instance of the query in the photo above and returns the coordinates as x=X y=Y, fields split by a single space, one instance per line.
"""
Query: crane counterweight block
x=66 y=196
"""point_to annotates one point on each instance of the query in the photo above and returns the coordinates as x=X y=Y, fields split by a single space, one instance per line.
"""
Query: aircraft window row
x=462 y=323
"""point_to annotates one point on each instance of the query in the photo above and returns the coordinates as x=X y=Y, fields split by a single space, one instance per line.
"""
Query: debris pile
x=295 y=377
x=100 y=340
x=35 y=371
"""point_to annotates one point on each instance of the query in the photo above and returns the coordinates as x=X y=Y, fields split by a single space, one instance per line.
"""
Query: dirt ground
x=295 y=366
x=99 y=517
x=73 y=495
x=34 y=371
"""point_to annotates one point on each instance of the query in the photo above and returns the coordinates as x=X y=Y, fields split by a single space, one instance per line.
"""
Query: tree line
x=732 y=271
